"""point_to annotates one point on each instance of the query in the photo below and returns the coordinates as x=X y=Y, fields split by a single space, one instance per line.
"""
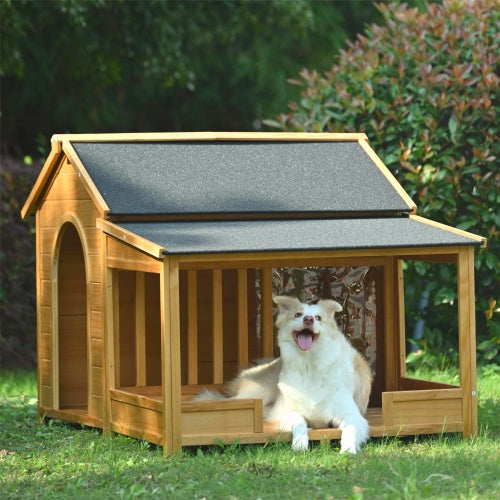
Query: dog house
x=155 y=259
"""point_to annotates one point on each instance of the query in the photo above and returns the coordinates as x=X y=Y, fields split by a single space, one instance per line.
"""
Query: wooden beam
x=211 y=136
x=192 y=326
x=399 y=301
x=217 y=329
x=108 y=344
x=171 y=352
x=140 y=328
x=467 y=339
x=266 y=289
x=43 y=181
x=391 y=342
x=115 y=368
x=254 y=260
x=242 y=318
x=130 y=238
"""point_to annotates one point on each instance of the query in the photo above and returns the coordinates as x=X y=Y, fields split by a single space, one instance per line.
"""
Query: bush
x=17 y=267
x=423 y=87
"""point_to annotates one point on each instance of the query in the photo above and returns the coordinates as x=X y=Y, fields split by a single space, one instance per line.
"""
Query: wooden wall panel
x=52 y=212
x=80 y=301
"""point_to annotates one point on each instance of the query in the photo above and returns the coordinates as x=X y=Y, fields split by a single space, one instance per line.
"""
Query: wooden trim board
x=211 y=136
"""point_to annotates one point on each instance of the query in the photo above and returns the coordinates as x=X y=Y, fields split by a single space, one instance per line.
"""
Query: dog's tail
x=209 y=395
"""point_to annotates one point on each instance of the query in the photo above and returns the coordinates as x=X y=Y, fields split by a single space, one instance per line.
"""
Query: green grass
x=60 y=460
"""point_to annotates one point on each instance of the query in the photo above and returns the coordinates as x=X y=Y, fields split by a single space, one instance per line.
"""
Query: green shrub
x=17 y=266
x=424 y=88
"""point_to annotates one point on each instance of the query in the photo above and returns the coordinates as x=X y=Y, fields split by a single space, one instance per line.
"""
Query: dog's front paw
x=300 y=439
x=348 y=440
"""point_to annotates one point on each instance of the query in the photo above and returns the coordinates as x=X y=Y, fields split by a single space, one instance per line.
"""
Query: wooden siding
x=67 y=201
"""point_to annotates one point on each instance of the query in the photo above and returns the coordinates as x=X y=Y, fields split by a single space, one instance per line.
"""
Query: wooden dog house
x=149 y=248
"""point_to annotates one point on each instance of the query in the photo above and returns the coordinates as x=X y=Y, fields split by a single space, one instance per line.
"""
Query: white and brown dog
x=319 y=380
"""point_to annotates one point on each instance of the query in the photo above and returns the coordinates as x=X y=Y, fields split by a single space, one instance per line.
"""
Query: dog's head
x=305 y=324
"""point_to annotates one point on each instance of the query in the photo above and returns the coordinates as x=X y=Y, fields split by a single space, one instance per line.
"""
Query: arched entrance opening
x=72 y=322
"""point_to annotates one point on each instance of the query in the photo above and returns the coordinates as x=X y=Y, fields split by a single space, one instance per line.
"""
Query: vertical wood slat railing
x=242 y=319
x=140 y=328
x=192 y=326
x=217 y=310
x=217 y=328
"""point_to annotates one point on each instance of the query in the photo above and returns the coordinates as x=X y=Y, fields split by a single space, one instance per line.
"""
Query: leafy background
x=423 y=85
x=421 y=80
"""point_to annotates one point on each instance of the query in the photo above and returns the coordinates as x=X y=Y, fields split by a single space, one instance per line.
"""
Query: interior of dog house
x=158 y=256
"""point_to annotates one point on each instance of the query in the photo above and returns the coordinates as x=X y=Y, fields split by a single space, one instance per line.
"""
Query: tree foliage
x=136 y=66
x=424 y=87
x=118 y=65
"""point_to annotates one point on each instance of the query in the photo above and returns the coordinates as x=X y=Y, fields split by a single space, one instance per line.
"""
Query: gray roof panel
x=221 y=177
x=294 y=235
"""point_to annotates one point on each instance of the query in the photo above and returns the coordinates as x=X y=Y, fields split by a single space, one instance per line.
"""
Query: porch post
x=467 y=338
x=171 y=352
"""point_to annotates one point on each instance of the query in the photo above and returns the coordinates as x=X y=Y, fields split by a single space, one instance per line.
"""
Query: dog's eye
x=318 y=317
x=298 y=315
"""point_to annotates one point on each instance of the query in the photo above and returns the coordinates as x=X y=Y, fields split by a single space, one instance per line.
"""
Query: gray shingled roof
x=288 y=235
x=206 y=177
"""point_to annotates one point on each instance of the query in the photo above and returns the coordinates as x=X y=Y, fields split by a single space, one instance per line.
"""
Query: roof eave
x=44 y=177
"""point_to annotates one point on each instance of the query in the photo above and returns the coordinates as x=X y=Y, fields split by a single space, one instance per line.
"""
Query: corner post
x=467 y=338
x=170 y=355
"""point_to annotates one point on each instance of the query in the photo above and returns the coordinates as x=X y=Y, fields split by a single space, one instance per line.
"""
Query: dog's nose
x=308 y=320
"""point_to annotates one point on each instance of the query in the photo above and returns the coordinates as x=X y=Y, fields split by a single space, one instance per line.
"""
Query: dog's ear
x=330 y=306
x=285 y=303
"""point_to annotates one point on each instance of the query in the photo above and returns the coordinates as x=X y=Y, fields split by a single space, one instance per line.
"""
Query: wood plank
x=96 y=382
x=67 y=187
x=122 y=256
x=130 y=238
x=44 y=345
x=114 y=321
x=49 y=168
x=391 y=342
x=217 y=329
x=192 y=326
x=399 y=302
x=437 y=407
x=414 y=384
x=97 y=351
x=126 y=416
x=211 y=136
x=140 y=328
x=388 y=175
x=467 y=339
x=170 y=347
x=97 y=323
x=242 y=318
x=175 y=346
x=331 y=258
x=76 y=415
x=266 y=289
x=218 y=421
x=51 y=212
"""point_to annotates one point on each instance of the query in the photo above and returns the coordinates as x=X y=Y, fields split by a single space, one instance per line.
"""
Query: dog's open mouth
x=305 y=339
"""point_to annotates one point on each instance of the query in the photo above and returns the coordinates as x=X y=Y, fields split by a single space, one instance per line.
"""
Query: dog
x=318 y=381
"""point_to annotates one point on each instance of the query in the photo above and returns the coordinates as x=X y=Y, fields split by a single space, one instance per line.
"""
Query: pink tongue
x=304 y=341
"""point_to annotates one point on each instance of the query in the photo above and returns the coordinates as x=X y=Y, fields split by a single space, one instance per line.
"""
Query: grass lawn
x=60 y=460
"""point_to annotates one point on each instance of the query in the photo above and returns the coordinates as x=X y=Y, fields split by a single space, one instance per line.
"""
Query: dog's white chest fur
x=315 y=386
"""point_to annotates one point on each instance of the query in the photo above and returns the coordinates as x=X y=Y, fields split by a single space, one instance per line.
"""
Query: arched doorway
x=72 y=322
